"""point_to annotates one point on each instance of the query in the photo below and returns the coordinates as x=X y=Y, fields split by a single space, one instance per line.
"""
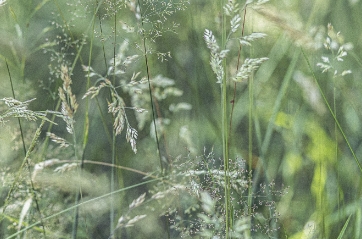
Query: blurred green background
x=281 y=123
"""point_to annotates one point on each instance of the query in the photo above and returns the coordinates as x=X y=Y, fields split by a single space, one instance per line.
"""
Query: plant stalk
x=225 y=130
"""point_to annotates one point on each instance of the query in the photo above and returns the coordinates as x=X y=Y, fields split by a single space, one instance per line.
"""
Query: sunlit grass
x=170 y=119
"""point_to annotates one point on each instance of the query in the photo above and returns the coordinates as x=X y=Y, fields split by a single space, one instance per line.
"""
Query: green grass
x=170 y=119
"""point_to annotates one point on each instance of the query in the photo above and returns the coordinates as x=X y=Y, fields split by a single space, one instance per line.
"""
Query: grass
x=180 y=119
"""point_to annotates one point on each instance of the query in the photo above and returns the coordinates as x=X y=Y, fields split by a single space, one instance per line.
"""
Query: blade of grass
x=340 y=236
x=270 y=127
x=331 y=111
x=112 y=210
x=224 y=128
x=25 y=153
x=25 y=161
x=81 y=204
x=150 y=88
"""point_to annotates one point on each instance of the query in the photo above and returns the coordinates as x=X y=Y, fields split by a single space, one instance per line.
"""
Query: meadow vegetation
x=180 y=119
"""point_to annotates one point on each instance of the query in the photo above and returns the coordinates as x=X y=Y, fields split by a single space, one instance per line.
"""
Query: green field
x=181 y=119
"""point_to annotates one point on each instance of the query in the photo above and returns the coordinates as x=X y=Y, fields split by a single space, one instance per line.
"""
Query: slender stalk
x=25 y=154
x=332 y=113
x=17 y=177
x=79 y=192
x=13 y=92
x=268 y=134
x=250 y=137
x=101 y=30
x=78 y=195
x=336 y=148
x=111 y=214
x=80 y=204
x=237 y=68
x=250 y=141
x=85 y=127
x=150 y=88
x=225 y=131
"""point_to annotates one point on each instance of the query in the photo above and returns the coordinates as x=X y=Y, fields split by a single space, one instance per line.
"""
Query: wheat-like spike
x=131 y=222
x=235 y=23
x=333 y=42
x=62 y=142
x=69 y=102
x=210 y=41
x=135 y=203
x=246 y=40
x=248 y=67
x=216 y=56
x=231 y=7
x=131 y=137
x=19 y=109
x=66 y=167
x=64 y=75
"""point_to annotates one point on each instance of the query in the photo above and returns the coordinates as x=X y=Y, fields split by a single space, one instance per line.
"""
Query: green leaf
x=340 y=236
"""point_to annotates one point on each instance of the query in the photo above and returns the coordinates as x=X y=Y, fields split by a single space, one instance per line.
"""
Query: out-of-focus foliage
x=286 y=122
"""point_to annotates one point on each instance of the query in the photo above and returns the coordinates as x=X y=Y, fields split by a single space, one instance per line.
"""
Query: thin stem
x=13 y=92
x=25 y=153
x=250 y=140
x=336 y=148
x=111 y=214
x=332 y=113
x=25 y=161
x=150 y=88
x=101 y=30
x=80 y=204
x=234 y=91
x=78 y=194
x=277 y=104
x=225 y=130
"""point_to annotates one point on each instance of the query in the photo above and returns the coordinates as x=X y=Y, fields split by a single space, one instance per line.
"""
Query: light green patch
x=321 y=147
x=319 y=182
x=284 y=120
x=293 y=163
x=351 y=118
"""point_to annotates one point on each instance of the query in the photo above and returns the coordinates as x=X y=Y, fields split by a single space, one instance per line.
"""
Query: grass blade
x=332 y=113
x=340 y=236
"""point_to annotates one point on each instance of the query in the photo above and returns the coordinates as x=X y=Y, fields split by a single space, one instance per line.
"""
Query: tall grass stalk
x=78 y=195
x=112 y=209
x=251 y=106
x=69 y=108
x=341 y=234
x=225 y=131
x=81 y=204
x=17 y=177
x=336 y=148
x=250 y=147
x=19 y=122
x=144 y=45
x=321 y=197
x=332 y=113
x=86 y=123
x=33 y=192
x=250 y=134
x=268 y=134
x=212 y=197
